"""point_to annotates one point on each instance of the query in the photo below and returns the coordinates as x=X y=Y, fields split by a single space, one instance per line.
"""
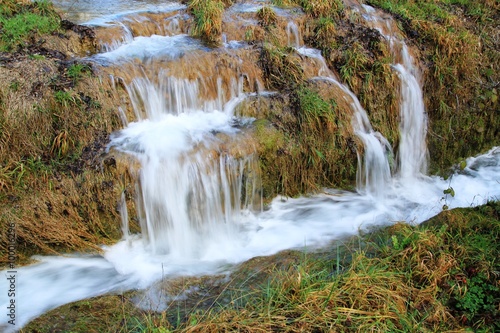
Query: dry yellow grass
x=53 y=132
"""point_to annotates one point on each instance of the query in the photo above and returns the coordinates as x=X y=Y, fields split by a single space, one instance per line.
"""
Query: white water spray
x=412 y=152
x=190 y=186
x=190 y=191
x=373 y=173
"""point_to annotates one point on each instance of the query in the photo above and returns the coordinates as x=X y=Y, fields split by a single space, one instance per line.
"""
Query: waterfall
x=373 y=172
x=293 y=34
x=412 y=155
x=151 y=100
x=412 y=152
x=190 y=188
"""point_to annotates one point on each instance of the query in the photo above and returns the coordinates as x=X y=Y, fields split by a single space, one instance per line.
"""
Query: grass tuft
x=282 y=70
x=267 y=17
x=207 y=19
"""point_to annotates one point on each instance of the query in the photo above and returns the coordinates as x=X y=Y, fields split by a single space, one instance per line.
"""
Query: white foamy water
x=412 y=152
x=289 y=223
x=190 y=192
x=373 y=173
x=169 y=47
x=104 y=12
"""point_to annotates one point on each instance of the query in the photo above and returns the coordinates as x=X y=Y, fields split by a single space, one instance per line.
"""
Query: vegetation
x=314 y=144
x=322 y=8
x=77 y=71
x=23 y=20
x=207 y=19
x=459 y=48
x=54 y=122
x=363 y=60
x=305 y=134
x=282 y=69
x=267 y=17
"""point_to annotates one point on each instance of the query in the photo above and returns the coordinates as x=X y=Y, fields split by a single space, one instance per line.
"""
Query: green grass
x=66 y=98
x=400 y=279
x=354 y=62
x=19 y=23
x=207 y=19
x=77 y=71
x=322 y=8
x=324 y=34
x=282 y=70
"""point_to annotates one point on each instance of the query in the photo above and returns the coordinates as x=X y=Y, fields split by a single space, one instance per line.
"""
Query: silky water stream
x=198 y=178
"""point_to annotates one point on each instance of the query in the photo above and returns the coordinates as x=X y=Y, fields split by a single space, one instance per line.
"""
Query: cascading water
x=373 y=173
x=197 y=176
x=189 y=191
x=190 y=188
x=293 y=34
x=412 y=148
x=412 y=152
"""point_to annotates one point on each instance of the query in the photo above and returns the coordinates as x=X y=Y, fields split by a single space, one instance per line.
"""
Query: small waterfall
x=150 y=99
x=198 y=174
x=191 y=187
x=412 y=152
x=126 y=37
x=412 y=156
x=373 y=173
x=293 y=34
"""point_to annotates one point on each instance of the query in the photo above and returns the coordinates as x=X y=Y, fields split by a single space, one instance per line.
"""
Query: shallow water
x=100 y=11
